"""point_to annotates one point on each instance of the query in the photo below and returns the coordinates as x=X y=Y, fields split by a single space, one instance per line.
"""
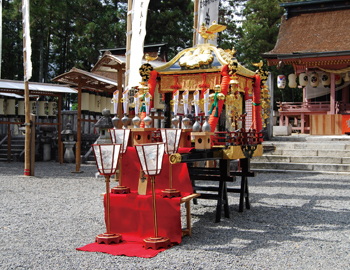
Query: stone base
x=282 y=130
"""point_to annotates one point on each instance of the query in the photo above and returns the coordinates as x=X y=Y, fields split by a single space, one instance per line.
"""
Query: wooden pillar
x=78 y=144
x=302 y=123
x=59 y=130
x=332 y=105
x=32 y=144
x=281 y=119
x=195 y=22
x=128 y=45
x=120 y=89
x=8 y=140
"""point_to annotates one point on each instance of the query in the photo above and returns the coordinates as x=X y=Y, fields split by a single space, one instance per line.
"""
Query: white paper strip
x=125 y=100
x=115 y=101
x=206 y=102
x=147 y=102
x=176 y=101
x=196 y=102
x=185 y=101
x=137 y=102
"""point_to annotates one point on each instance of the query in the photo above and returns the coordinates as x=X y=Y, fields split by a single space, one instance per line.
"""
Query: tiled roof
x=314 y=32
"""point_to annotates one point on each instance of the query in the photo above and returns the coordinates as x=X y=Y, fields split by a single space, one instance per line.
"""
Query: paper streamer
x=206 y=102
x=196 y=102
x=125 y=101
x=185 y=102
x=176 y=101
x=115 y=101
x=137 y=102
x=147 y=102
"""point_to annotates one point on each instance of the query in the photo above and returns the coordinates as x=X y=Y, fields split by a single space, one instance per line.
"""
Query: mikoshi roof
x=188 y=58
x=87 y=80
x=198 y=67
x=11 y=86
x=316 y=32
x=111 y=63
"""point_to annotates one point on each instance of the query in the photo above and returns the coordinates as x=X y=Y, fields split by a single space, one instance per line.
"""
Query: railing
x=303 y=106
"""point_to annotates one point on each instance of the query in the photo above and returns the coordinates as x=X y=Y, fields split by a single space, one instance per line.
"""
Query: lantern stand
x=120 y=136
x=151 y=158
x=106 y=156
x=171 y=138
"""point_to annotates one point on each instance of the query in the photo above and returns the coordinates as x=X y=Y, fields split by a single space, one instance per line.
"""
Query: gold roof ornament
x=209 y=33
x=149 y=58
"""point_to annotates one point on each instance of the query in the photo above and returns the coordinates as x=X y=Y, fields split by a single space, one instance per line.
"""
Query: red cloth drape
x=132 y=215
x=131 y=173
x=256 y=103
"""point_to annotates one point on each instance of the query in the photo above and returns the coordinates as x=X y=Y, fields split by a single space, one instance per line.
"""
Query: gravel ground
x=296 y=221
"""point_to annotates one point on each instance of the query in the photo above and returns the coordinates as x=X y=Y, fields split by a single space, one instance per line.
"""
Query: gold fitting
x=175 y=158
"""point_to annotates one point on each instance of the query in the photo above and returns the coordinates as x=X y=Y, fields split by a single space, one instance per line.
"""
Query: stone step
x=309 y=152
x=308 y=145
x=301 y=167
x=13 y=146
x=300 y=159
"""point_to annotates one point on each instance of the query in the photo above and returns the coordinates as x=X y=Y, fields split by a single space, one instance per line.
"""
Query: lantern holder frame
x=171 y=192
x=120 y=189
x=108 y=237
x=154 y=242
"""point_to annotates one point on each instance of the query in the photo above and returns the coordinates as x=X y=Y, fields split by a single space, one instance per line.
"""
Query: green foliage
x=170 y=22
x=256 y=33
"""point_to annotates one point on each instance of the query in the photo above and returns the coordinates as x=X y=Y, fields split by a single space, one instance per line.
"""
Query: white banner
x=208 y=11
x=115 y=100
x=137 y=39
x=206 y=102
x=26 y=37
x=125 y=100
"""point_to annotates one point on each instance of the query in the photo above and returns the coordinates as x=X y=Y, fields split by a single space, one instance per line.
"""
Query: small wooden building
x=314 y=38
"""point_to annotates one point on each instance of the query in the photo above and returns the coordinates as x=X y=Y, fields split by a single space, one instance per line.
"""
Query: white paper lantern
x=314 y=79
x=52 y=108
x=21 y=110
x=85 y=103
x=32 y=107
x=42 y=104
x=303 y=79
x=281 y=81
x=92 y=101
x=11 y=106
x=2 y=101
x=103 y=102
x=338 y=79
x=292 y=80
x=98 y=103
x=326 y=79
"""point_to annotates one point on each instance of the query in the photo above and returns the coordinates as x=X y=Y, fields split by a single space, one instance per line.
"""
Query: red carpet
x=131 y=215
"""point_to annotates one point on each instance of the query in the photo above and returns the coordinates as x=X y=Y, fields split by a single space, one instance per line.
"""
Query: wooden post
x=332 y=105
x=59 y=130
x=8 y=141
x=120 y=89
x=78 y=144
x=195 y=23
x=128 y=46
x=32 y=144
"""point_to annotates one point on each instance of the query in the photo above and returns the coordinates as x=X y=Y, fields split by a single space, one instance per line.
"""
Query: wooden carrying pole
x=78 y=144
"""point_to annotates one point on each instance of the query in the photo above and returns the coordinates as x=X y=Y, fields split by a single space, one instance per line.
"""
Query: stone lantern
x=68 y=143
x=104 y=124
x=47 y=139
